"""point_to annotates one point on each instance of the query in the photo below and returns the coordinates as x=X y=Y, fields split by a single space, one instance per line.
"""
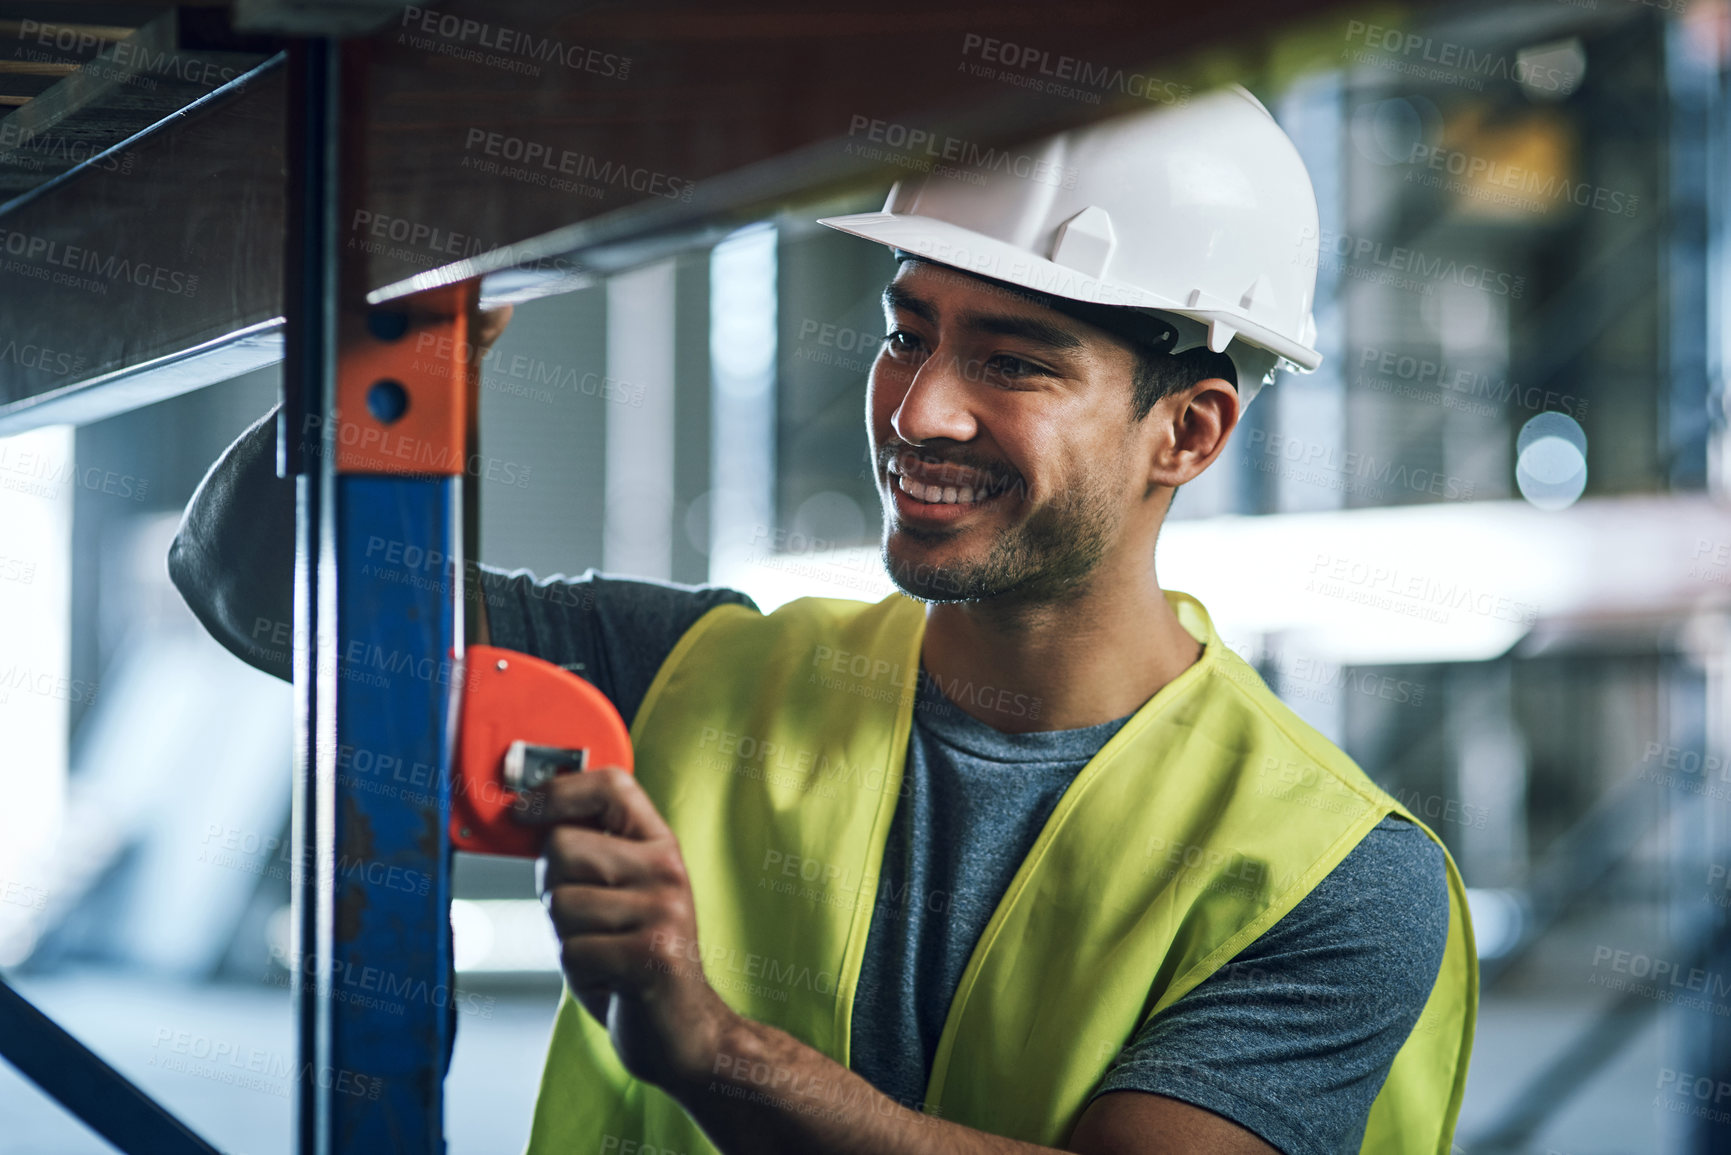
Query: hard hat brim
x=971 y=252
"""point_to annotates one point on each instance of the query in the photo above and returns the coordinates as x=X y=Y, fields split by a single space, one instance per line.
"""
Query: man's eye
x=1012 y=368
x=900 y=342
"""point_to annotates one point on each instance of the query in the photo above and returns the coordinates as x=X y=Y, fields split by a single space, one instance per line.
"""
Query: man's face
x=1003 y=440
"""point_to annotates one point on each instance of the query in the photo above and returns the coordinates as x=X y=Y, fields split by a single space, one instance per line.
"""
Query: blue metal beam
x=102 y=1098
x=391 y=999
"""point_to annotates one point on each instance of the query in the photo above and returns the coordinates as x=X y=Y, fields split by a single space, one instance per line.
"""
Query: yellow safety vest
x=774 y=747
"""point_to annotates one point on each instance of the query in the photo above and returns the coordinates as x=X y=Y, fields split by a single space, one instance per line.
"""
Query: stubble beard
x=1045 y=559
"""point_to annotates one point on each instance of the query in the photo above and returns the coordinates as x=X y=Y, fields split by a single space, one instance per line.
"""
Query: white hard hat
x=1202 y=212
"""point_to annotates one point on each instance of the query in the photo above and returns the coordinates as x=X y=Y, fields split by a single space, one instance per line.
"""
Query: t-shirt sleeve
x=615 y=632
x=1293 y=1039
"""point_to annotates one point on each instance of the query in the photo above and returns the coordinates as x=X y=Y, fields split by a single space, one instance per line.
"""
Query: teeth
x=939 y=494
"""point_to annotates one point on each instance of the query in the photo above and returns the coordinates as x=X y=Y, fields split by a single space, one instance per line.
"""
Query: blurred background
x=1485 y=549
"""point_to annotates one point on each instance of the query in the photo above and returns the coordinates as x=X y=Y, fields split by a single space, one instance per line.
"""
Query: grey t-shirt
x=1291 y=1040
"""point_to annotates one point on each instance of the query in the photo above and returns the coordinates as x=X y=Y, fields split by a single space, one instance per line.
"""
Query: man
x=1124 y=901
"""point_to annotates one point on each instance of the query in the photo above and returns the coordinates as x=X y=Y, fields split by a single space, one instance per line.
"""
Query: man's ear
x=1192 y=425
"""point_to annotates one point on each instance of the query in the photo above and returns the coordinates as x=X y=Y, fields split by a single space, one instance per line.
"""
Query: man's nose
x=938 y=402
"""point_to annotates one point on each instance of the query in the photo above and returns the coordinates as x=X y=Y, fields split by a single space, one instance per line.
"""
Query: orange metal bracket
x=402 y=405
x=510 y=698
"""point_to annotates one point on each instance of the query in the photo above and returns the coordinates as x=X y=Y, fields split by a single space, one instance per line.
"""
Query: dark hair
x=1158 y=372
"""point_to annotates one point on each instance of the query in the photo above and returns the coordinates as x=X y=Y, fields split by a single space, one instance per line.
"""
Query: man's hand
x=488 y=326
x=613 y=879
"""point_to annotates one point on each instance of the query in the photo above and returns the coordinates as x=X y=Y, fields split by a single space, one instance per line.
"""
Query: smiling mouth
x=943 y=494
x=943 y=483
